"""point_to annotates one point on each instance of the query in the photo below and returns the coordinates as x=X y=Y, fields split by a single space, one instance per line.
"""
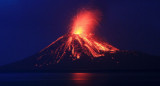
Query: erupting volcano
x=80 y=50
x=78 y=41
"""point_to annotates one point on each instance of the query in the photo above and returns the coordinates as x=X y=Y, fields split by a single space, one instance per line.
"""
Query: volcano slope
x=118 y=61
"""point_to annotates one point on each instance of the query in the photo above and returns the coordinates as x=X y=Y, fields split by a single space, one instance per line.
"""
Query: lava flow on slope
x=80 y=40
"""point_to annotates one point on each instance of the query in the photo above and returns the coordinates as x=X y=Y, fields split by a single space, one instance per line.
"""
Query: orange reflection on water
x=82 y=79
x=81 y=76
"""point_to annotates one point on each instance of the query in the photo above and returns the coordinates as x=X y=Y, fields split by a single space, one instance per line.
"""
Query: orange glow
x=81 y=76
x=80 y=41
x=85 y=22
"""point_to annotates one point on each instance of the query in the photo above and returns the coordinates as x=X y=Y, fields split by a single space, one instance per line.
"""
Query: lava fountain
x=79 y=40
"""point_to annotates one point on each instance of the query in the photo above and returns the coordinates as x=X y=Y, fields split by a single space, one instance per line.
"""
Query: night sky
x=27 y=26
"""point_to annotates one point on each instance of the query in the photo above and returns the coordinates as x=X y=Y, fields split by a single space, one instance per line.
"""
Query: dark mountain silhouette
x=118 y=61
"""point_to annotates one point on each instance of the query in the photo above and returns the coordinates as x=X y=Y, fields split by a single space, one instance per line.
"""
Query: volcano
x=80 y=50
x=80 y=40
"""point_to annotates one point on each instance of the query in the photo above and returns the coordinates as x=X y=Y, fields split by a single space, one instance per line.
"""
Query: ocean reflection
x=81 y=76
x=81 y=79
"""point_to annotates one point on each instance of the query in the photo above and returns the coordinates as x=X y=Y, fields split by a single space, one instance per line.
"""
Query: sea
x=81 y=79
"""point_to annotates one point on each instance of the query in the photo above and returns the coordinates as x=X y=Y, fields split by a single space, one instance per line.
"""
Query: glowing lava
x=80 y=40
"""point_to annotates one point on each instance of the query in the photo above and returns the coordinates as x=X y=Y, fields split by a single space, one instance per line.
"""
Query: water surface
x=79 y=79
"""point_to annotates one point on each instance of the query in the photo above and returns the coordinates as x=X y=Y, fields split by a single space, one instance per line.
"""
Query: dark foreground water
x=80 y=79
